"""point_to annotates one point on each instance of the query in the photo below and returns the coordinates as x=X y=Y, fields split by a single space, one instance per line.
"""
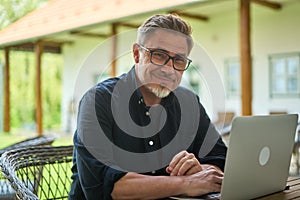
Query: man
x=141 y=135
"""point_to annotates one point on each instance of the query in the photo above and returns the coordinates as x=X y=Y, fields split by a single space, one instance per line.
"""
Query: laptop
x=258 y=157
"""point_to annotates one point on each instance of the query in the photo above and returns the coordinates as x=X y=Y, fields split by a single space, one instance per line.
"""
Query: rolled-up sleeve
x=217 y=155
x=92 y=178
x=208 y=145
x=96 y=179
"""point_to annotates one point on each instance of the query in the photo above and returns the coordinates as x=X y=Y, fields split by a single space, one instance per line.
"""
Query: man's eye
x=180 y=60
x=159 y=55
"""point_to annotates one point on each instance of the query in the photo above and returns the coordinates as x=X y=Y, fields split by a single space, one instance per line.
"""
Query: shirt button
x=147 y=113
x=153 y=172
x=151 y=143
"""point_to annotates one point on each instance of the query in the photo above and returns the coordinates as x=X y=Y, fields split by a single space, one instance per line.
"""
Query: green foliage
x=12 y=10
x=23 y=74
x=52 y=87
x=23 y=89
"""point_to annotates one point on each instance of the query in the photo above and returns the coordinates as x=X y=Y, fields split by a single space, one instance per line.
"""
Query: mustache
x=164 y=75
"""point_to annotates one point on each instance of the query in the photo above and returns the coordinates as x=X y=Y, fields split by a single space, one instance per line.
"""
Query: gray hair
x=169 y=22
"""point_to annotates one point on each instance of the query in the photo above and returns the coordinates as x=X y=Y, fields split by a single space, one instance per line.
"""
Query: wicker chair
x=42 y=172
x=6 y=192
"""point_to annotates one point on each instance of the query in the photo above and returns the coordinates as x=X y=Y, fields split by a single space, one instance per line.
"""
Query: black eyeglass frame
x=189 y=61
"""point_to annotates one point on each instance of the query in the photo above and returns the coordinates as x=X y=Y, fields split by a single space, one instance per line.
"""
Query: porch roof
x=61 y=16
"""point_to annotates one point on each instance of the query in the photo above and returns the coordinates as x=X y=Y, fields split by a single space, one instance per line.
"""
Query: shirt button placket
x=151 y=143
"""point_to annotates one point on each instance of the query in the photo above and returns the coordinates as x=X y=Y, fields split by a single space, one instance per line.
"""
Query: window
x=232 y=78
x=193 y=78
x=101 y=77
x=285 y=75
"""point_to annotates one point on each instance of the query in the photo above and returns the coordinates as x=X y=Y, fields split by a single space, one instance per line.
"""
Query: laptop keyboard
x=212 y=196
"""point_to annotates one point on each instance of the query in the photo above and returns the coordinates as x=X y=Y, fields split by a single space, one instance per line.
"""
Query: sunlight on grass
x=9 y=138
x=48 y=179
x=14 y=136
x=56 y=181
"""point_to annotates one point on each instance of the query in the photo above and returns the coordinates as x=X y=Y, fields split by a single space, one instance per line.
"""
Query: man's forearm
x=137 y=186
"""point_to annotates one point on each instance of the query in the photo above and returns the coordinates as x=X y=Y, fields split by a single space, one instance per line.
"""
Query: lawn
x=14 y=136
x=47 y=180
x=56 y=176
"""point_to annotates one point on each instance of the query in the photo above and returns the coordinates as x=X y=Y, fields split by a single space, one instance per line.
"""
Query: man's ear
x=136 y=53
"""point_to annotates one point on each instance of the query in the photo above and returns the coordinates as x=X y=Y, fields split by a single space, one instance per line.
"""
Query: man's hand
x=207 y=181
x=184 y=163
x=207 y=167
x=150 y=187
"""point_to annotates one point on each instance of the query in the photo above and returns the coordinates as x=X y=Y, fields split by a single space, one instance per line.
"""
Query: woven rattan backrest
x=5 y=189
x=42 y=172
x=34 y=141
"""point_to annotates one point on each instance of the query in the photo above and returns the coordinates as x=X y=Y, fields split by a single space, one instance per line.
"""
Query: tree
x=12 y=10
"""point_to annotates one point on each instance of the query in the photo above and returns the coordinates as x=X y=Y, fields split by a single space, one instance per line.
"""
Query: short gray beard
x=160 y=93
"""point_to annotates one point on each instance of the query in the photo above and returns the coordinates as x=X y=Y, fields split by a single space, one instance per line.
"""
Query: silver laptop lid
x=258 y=157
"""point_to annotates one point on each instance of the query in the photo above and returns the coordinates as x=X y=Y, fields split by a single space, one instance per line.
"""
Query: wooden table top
x=292 y=193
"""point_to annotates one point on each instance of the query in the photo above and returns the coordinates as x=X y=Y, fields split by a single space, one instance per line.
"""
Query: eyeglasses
x=160 y=57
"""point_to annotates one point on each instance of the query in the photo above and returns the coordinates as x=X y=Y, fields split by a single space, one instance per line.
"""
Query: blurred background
x=251 y=51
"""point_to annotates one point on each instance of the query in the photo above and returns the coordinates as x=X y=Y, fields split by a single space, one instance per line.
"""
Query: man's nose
x=168 y=67
x=170 y=63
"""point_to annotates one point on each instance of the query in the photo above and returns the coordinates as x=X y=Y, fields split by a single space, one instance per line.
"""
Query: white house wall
x=86 y=62
x=220 y=37
x=272 y=32
x=74 y=55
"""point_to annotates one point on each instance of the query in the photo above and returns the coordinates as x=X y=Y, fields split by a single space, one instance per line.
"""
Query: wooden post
x=246 y=65
x=39 y=109
x=113 y=71
x=6 y=120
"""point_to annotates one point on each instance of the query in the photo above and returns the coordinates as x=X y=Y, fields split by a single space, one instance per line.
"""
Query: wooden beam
x=246 y=64
x=113 y=71
x=54 y=43
x=269 y=4
x=192 y=16
x=39 y=108
x=50 y=47
x=87 y=34
x=6 y=120
x=127 y=25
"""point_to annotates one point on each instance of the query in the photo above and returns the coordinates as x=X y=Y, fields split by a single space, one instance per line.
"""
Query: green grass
x=47 y=180
x=7 y=139
x=56 y=181
x=14 y=136
x=60 y=173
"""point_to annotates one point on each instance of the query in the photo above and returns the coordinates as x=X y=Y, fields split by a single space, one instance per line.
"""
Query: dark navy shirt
x=103 y=132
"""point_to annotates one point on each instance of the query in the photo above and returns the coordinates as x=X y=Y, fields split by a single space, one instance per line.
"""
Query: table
x=292 y=193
